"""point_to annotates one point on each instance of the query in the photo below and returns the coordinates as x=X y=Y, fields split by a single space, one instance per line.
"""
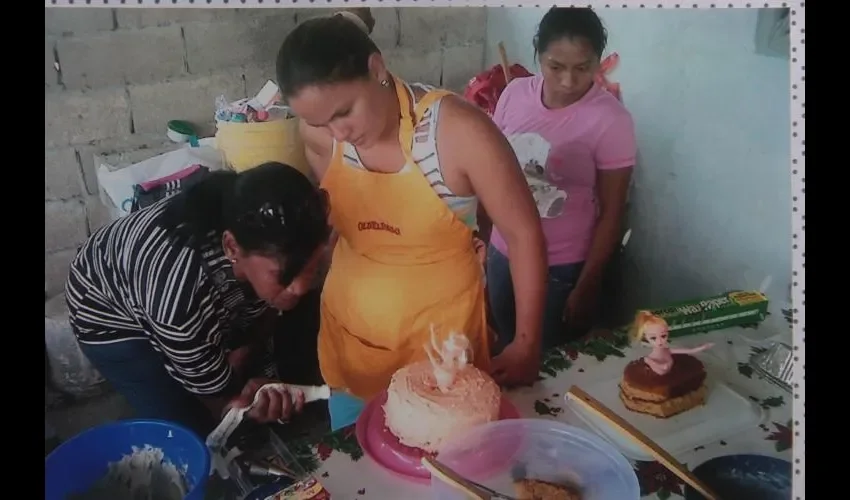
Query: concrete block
x=51 y=76
x=302 y=15
x=443 y=25
x=120 y=152
x=73 y=21
x=97 y=215
x=148 y=17
x=212 y=46
x=192 y=100
x=62 y=177
x=460 y=64
x=64 y=224
x=385 y=33
x=137 y=56
x=80 y=117
x=414 y=66
x=56 y=266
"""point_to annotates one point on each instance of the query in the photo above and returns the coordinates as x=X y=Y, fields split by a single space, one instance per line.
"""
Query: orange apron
x=403 y=262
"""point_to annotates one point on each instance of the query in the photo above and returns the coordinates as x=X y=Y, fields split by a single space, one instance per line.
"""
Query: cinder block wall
x=114 y=77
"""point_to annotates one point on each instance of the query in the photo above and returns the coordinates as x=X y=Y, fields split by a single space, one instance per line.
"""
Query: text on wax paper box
x=735 y=308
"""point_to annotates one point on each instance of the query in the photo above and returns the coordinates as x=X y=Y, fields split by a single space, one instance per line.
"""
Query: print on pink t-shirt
x=560 y=151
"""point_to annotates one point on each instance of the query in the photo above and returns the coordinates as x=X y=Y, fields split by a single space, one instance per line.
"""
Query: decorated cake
x=682 y=388
x=432 y=401
x=667 y=381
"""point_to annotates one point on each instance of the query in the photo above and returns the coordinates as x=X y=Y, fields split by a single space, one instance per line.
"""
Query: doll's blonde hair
x=642 y=320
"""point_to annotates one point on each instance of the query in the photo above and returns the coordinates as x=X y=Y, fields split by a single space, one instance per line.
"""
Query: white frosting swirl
x=423 y=414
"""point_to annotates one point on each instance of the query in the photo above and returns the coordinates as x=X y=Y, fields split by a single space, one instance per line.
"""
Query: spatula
x=642 y=439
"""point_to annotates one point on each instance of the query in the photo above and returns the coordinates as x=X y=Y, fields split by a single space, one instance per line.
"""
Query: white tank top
x=425 y=155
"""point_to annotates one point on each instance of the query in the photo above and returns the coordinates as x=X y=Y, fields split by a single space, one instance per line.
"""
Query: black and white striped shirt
x=130 y=280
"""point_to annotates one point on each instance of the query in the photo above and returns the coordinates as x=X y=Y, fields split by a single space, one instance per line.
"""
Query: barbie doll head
x=650 y=329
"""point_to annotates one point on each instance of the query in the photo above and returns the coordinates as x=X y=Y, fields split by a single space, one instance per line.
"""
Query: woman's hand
x=517 y=364
x=580 y=306
x=272 y=405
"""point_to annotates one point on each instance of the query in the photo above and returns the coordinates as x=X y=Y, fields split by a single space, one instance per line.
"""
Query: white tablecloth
x=338 y=462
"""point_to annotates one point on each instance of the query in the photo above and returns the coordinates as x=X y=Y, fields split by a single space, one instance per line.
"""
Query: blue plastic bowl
x=754 y=477
x=78 y=463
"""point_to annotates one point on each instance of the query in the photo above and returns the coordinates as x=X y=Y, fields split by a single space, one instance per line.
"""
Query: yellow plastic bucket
x=246 y=145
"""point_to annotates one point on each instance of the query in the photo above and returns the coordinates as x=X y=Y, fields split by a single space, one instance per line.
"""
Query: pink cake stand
x=380 y=445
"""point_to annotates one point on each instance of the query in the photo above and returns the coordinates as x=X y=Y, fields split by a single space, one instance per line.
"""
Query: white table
x=338 y=462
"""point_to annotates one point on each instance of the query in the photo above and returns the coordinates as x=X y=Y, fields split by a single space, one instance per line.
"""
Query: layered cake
x=681 y=388
x=667 y=381
x=432 y=401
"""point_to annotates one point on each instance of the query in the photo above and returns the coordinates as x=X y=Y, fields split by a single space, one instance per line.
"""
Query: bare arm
x=495 y=177
x=318 y=149
x=615 y=157
x=690 y=350
x=612 y=187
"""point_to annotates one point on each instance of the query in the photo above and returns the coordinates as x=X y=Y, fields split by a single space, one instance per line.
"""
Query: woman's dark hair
x=570 y=23
x=272 y=210
x=322 y=51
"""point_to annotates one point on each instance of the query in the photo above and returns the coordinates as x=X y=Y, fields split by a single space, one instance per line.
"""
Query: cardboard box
x=307 y=489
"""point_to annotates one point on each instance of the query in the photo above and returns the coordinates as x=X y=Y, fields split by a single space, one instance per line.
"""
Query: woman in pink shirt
x=576 y=144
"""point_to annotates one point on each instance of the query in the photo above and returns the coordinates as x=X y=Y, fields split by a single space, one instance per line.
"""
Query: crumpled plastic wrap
x=217 y=439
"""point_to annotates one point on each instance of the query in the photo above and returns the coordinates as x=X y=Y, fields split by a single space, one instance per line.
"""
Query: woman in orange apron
x=404 y=214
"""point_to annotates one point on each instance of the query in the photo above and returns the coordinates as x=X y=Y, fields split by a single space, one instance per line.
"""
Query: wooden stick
x=642 y=439
x=506 y=67
x=453 y=479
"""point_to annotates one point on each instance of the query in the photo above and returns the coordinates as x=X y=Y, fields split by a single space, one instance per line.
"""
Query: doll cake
x=432 y=401
x=667 y=381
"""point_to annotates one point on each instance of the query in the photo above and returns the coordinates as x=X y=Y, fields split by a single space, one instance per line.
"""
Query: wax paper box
x=737 y=308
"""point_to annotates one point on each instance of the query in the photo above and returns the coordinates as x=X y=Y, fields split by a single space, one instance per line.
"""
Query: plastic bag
x=117 y=184
x=486 y=87
x=608 y=65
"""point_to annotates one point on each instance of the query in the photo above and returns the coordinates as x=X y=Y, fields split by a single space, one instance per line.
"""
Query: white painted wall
x=711 y=205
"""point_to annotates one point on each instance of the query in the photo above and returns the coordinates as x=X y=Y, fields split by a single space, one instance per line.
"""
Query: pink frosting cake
x=422 y=414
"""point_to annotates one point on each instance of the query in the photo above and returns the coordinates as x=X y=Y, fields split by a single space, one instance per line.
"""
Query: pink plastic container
x=381 y=446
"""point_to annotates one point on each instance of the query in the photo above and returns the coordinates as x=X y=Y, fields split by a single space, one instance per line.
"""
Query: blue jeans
x=500 y=289
x=137 y=372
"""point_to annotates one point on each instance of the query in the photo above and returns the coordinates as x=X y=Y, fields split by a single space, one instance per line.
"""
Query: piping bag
x=218 y=437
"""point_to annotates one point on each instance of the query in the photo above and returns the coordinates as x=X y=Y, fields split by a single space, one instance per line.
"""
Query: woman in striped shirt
x=172 y=303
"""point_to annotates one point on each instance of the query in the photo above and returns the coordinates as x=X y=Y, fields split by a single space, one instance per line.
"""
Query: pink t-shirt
x=560 y=151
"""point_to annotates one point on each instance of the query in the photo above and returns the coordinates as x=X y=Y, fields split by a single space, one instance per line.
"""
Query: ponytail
x=200 y=210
